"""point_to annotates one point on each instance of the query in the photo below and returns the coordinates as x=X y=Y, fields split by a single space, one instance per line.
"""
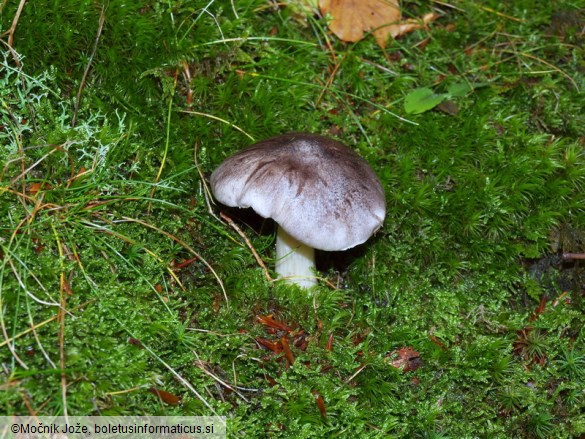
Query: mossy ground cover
x=122 y=293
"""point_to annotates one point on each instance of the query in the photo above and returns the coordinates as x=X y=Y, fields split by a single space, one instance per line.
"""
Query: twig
x=7 y=341
x=201 y=365
x=14 y=55
x=206 y=191
x=25 y=289
x=87 y=67
x=37 y=339
x=336 y=66
x=501 y=14
x=10 y=32
x=219 y=119
x=27 y=170
x=570 y=256
x=167 y=141
x=28 y=405
x=61 y=320
x=448 y=5
x=546 y=63
x=357 y=372
x=132 y=242
x=329 y=80
x=122 y=392
x=233 y=225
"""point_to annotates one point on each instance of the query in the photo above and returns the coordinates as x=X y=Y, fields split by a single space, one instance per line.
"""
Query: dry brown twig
x=10 y=32
x=206 y=191
x=206 y=369
x=233 y=225
x=87 y=67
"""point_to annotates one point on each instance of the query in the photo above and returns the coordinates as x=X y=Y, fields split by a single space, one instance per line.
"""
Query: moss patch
x=114 y=273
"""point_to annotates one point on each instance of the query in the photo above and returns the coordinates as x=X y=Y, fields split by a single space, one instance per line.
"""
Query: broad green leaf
x=421 y=100
x=459 y=89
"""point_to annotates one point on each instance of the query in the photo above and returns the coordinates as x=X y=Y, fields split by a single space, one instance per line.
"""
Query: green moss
x=109 y=217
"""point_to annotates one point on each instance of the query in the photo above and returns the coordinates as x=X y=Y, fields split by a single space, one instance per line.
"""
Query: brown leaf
x=351 y=19
x=274 y=346
x=287 y=352
x=217 y=302
x=166 y=397
x=448 y=107
x=320 y=403
x=67 y=287
x=270 y=322
x=329 y=345
x=540 y=309
x=135 y=342
x=300 y=340
x=406 y=359
x=185 y=263
x=38 y=246
x=34 y=188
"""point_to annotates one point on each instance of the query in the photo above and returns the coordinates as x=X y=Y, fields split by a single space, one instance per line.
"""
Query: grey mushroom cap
x=318 y=190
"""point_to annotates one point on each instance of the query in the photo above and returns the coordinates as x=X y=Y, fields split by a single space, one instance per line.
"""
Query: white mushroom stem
x=295 y=262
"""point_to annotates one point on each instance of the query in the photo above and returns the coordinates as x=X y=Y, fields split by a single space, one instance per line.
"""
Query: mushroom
x=321 y=194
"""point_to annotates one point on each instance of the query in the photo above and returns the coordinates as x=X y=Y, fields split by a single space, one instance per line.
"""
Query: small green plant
x=572 y=362
x=541 y=424
x=424 y=99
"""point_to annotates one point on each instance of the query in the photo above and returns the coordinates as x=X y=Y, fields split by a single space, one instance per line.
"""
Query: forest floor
x=123 y=292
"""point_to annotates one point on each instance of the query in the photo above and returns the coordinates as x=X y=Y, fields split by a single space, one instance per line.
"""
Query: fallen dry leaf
x=67 y=287
x=329 y=345
x=34 y=188
x=540 y=309
x=406 y=359
x=351 y=19
x=411 y=24
x=287 y=352
x=274 y=346
x=167 y=397
x=271 y=322
x=320 y=403
x=135 y=342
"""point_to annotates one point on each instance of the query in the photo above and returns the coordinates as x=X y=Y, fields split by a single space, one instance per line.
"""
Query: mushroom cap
x=318 y=190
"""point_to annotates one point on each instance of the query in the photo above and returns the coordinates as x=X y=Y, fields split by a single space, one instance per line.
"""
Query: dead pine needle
x=88 y=66
x=61 y=319
x=167 y=141
x=206 y=191
x=500 y=14
x=219 y=119
x=12 y=29
x=206 y=369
